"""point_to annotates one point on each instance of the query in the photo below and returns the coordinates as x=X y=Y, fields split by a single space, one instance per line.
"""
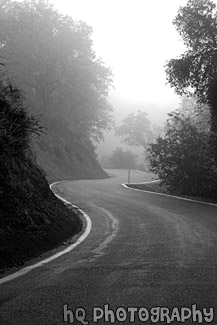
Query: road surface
x=144 y=251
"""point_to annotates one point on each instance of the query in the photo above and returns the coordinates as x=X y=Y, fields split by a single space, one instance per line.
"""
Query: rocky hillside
x=62 y=155
x=32 y=219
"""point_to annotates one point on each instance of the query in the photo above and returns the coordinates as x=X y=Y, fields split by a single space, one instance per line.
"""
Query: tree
x=195 y=71
x=136 y=129
x=183 y=159
x=50 y=57
x=198 y=113
x=123 y=159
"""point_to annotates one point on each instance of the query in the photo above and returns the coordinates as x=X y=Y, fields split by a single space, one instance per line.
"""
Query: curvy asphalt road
x=144 y=251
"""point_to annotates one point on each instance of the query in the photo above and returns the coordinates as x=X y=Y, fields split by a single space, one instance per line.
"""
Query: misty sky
x=134 y=38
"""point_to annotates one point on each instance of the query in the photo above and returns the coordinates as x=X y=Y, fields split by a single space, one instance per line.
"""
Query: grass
x=158 y=188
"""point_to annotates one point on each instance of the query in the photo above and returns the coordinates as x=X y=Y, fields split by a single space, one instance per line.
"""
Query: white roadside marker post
x=128 y=176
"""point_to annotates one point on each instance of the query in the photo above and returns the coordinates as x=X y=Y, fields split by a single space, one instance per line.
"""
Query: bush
x=123 y=159
x=183 y=159
x=16 y=125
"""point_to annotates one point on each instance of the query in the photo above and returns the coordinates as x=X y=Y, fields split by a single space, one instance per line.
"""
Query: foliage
x=196 y=70
x=136 y=129
x=16 y=125
x=49 y=57
x=198 y=113
x=123 y=159
x=183 y=159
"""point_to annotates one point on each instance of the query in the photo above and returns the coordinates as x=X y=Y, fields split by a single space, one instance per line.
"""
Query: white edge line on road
x=163 y=194
x=27 y=269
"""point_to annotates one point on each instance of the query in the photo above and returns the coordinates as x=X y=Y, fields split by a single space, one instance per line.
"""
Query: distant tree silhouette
x=123 y=159
x=136 y=129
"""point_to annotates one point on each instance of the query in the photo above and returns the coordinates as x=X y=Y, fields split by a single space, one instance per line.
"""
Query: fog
x=135 y=39
x=157 y=114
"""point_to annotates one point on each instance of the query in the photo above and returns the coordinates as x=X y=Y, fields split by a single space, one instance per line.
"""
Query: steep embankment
x=32 y=219
x=62 y=155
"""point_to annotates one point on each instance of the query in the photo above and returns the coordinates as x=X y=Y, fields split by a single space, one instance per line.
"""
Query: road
x=144 y=251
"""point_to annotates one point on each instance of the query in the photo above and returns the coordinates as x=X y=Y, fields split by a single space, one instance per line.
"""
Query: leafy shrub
x=123 y=159
x=183 y=159
x=16 y=125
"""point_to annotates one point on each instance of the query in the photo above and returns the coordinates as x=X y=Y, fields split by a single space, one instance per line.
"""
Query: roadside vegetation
x=184 y=155
x=184 y=158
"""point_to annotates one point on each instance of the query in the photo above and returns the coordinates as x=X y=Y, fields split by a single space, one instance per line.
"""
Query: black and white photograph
x=108 y=162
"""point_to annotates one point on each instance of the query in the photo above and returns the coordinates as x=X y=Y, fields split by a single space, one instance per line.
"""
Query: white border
x=27 y=269
x=163 y=194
